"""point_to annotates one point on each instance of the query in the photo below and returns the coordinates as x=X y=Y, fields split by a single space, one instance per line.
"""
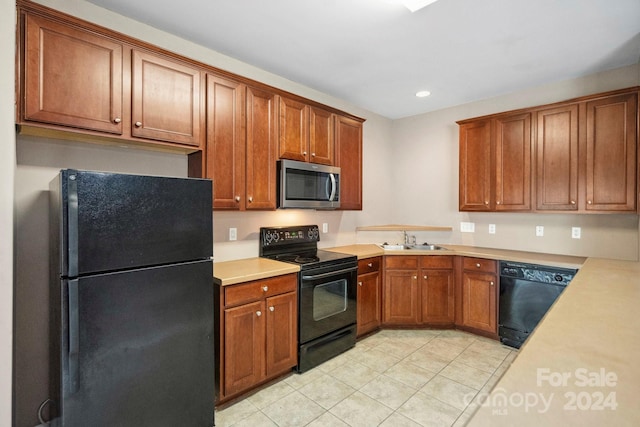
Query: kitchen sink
x=422 y=247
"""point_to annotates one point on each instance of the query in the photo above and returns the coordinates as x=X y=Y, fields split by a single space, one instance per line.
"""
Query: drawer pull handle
x=117 y=120
x=370 y=264
x=491 y=283
x=359 y=283
x=272 y=308
x=138 y=124
x=478 y=265
x=265 y=288
x=258 y=313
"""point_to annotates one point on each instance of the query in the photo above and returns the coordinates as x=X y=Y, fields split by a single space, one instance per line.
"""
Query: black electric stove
x=299 y=245
x=327 y=290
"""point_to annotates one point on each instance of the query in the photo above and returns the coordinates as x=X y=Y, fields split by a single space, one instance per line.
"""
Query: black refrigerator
x=131 y=301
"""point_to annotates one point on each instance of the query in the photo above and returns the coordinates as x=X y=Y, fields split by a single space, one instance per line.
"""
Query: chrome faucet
x=409 y=240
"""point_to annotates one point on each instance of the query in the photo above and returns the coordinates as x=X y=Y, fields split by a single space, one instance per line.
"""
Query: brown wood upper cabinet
x=585 y=157
x=349 y=158
x=165 y=99
x=305 y=132
x=495 y=164
x=71 y=77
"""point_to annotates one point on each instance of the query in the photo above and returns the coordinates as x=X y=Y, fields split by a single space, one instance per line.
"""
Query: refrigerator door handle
x=72 y=218
x=74 y=336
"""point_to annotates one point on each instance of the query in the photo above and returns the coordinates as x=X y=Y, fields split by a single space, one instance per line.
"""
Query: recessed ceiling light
x=415 y=5
x=423 y=93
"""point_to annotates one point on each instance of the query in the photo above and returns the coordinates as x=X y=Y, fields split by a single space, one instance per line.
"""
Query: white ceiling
x=376 y=54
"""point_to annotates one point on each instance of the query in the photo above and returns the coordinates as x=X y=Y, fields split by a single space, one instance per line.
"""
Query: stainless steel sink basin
x=423 y=247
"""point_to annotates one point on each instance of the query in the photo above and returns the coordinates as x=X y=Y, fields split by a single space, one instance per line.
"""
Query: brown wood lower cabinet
x=257 y=323
x=479 y=296
x=369 y=295
x=419 y=290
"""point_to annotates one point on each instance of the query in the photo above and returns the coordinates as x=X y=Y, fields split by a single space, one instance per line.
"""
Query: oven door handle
x=329 y=274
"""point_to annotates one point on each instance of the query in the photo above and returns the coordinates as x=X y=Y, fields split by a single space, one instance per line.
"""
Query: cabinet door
x=475 y=166
x=401 y=297
x=293 y=132
x=225 y=149
x=479 y=301
x=557 y=158
x=72 y=77
x=244 y=349
x=165 y=102
x=261 y=149
x=611 y=153
x=282 y=333
x=513 y=163
x=368 y=302
x=437 y=296
x=349 y=159
x=321 y=136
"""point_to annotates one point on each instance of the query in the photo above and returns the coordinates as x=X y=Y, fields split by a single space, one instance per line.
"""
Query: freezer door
x=136 y=348
x=115 y=221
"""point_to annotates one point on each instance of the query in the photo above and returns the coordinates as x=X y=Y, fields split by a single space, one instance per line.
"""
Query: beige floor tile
x=410 y=374
x=459 y=339
x=429 y=411
x=450 y=392
x=327 y=420
x=256 y=420
x=377 y=360
x=479 y=360
x=293 y=410
x=398 y=347
x=359 y=410
x=300 y=380
x=326 y=391
x=339 y=360
x=428 y=360
x=442 y=348
x=355 y=374
x=490 y=348
x=397 y=420
x=267 y=396
x=471 y=377
x=235 y=413
x=388 y=391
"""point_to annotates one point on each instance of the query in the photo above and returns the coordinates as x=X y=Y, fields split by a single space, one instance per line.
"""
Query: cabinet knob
x=425 y=277
x=415 y=277
x=237 y=198
x=258 y=313
x=272 y=308
x=498 y=202
x=359 y=283
x=589 y=202
x=486 y=202
x=250 y=199
x=313 y=154
x=573 y=202
x=265 y=288
x=478 y=265
x=370 y=265
x=138 y=124
x=491 y=283
x=117 y=120
x=304 y=153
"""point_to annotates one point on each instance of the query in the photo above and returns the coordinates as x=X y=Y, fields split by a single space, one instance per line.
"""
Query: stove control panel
x=270 y=236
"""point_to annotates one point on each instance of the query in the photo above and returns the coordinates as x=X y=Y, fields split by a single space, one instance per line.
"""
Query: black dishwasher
x=526 y=293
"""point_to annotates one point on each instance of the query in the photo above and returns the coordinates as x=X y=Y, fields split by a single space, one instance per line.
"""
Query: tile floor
x=394 y=378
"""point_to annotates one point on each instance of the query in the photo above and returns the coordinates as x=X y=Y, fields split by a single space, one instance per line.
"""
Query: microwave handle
x=333 y=187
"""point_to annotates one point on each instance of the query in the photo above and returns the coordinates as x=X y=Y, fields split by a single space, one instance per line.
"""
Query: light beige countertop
x=245 y=270
x=581 y=365
x=361 y=251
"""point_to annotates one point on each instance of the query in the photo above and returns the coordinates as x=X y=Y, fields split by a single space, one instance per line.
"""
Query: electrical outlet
x=492 y=229
x=576 y=232
x=539 y=230
x=467 y=227
x=325 y=227
x=233 y=234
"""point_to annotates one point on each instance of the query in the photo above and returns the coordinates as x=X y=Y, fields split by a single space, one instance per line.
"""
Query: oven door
x=327 y=300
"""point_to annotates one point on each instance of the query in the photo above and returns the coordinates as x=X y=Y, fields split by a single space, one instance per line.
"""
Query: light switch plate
x=325 y=227
x=233 y=234
x=467 y=227
x=539 y=230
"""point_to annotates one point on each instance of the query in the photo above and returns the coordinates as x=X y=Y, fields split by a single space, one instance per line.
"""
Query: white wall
x=7 y=166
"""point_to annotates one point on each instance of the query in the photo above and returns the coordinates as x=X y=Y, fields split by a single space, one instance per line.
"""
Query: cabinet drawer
x=401 y=262
x=368 y=265
x=251 y=291
x=479 y=264
x=436 y=261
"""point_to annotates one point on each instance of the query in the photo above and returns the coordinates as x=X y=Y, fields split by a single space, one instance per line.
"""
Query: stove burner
x=306 y=259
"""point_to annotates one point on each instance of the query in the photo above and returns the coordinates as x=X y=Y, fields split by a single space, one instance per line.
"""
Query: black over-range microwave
x=308 y=185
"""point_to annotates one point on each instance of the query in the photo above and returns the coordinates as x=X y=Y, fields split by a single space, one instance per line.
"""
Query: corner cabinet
x=495 y=164
x=369 y=295
x=478 y=300
x=258 y=333
x=348 y=133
